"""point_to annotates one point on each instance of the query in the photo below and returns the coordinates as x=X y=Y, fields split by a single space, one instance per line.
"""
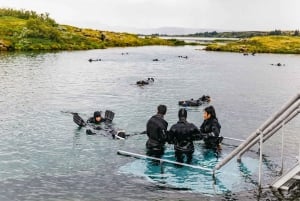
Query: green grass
x=261 y=44
x=27 y=30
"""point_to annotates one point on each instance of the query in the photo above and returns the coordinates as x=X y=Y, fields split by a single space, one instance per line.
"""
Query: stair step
x=285 y=188
x=287 y=177
x=297 y=177
x=288 y=185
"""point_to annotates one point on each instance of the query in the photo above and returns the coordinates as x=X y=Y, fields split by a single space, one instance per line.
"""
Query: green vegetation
x=261 y=44
x=27 y=30
x=277 y=41
x=244 y=34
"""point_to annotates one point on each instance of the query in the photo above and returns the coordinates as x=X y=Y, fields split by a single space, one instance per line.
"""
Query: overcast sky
x=206 y=14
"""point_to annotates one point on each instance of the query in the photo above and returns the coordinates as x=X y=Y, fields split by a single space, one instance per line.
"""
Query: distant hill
x=171 y=31
x=28 y=30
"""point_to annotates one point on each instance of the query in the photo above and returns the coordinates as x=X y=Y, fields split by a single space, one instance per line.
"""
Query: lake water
x=198 y=39
x=44 y=156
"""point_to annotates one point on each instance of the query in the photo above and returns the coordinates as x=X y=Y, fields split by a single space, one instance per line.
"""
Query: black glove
x=97 y=128
x=89 y=132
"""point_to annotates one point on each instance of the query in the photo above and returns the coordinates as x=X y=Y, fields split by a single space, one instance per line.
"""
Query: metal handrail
x=267 y=133
x=255 y=135
x=288 y=119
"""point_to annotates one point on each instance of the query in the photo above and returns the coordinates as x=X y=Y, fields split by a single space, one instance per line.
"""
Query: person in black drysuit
x=97 y=119
x=182 y=134
x=157 y=133
x=145 y=82
x=210 y=129
x=205 y=98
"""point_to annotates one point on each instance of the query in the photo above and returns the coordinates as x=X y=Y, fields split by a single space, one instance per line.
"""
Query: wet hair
x=97 y=114
x=211 y=110
x=182 y=113
x=162 y=109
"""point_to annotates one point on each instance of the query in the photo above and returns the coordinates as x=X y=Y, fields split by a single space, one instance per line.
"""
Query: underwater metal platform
x=288 y=180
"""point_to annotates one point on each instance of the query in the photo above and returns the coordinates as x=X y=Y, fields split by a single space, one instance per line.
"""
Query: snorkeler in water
x=145 y=82
x=94 y=124
x=97 y=118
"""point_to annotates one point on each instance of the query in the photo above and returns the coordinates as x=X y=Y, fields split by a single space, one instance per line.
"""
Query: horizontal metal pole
x=230 y=138
x=140 y=156
x=236 y=150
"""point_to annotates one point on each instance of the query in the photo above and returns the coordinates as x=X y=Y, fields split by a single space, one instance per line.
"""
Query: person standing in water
x=182 y=134
x=157 y=133
x=210 y=129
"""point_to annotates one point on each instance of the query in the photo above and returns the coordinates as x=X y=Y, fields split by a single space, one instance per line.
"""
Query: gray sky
x=206 y=14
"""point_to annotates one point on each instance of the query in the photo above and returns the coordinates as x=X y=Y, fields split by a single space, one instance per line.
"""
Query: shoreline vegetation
x=260 y=44
x=22 y=30
x=277 y=41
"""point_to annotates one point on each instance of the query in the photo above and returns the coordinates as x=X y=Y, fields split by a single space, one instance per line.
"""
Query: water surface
x=43 y=155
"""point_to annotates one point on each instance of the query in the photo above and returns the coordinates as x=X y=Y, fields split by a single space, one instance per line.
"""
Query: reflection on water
x=44 y=156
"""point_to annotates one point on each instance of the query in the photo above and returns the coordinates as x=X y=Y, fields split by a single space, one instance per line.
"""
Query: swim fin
x=109 y=115
x=78 y=120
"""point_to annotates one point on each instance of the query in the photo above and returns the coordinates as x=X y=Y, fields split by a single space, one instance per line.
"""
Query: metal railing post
x=282 y=147
x=260 y=158
x=299 y=153
x=161 y=167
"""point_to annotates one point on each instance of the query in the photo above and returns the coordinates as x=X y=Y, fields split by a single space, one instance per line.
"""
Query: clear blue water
x=44 y=156
x=230 y=179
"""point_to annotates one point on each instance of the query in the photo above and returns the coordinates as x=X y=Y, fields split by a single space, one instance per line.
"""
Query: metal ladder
x=286 y=181
x=288 y=111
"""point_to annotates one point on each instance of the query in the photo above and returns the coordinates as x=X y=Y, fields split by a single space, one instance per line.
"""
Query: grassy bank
x=27 y=30
x=261 y=44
